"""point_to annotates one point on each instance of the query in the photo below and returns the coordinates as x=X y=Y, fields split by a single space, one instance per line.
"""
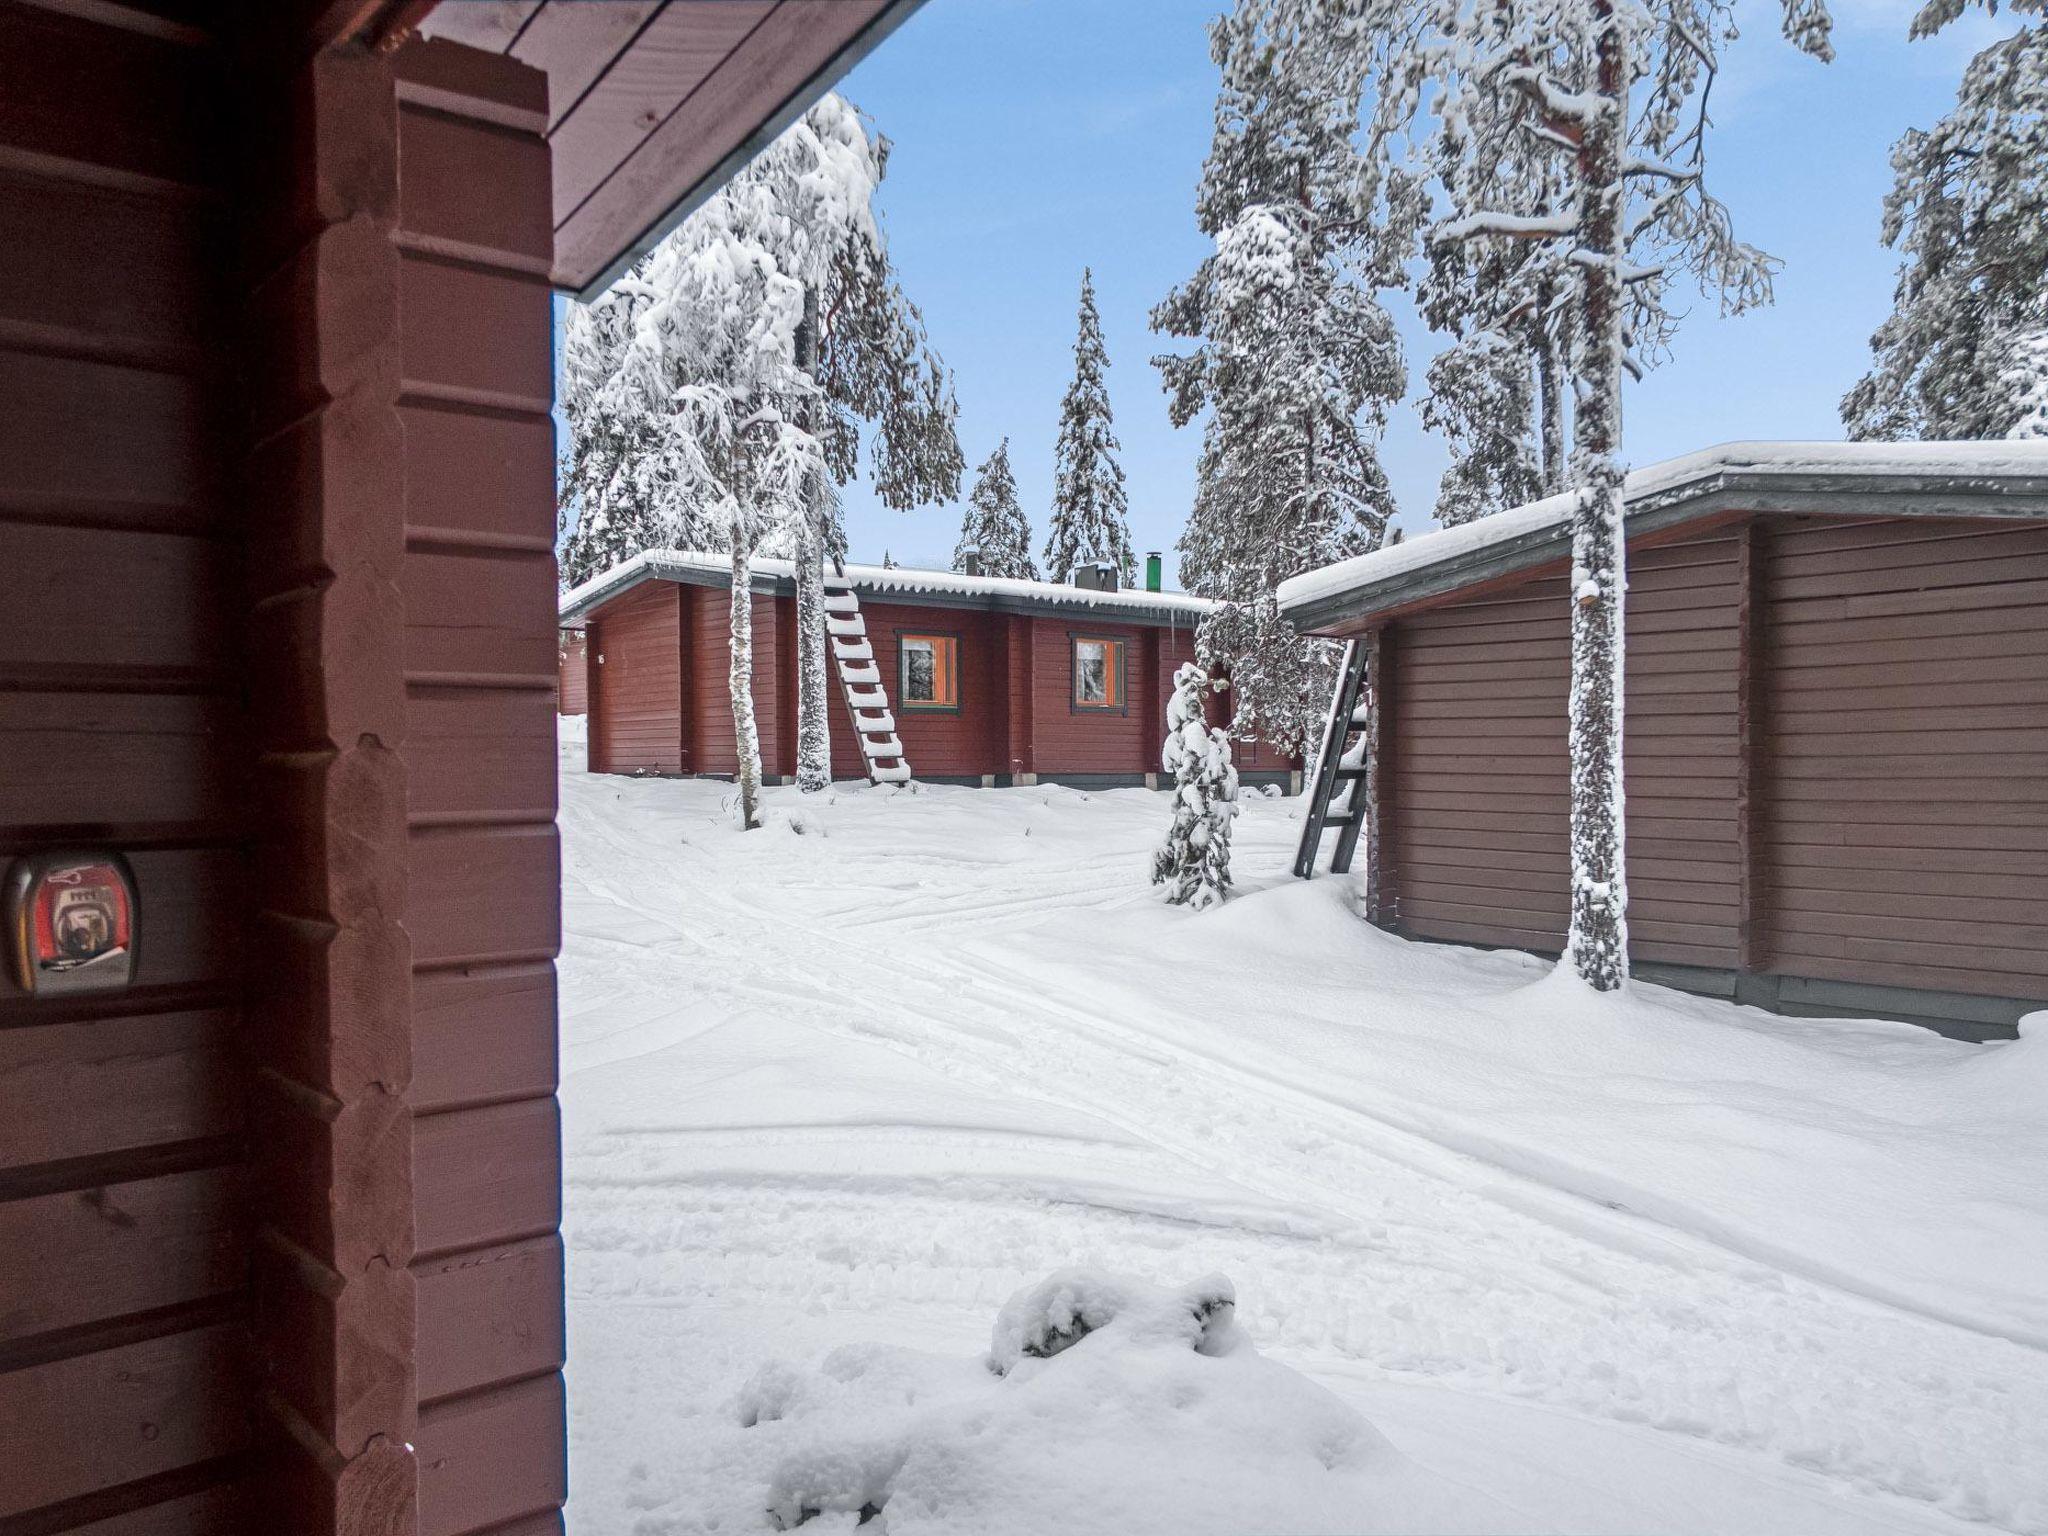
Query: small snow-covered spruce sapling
x=1090 y=516
x=1607 y=101
x=994 y=530
x=1294 y=363
x=1194 y=862
x=1964 y=353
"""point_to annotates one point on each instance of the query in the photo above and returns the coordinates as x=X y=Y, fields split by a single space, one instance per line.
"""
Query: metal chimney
x=1153 y=564
x=970 y=562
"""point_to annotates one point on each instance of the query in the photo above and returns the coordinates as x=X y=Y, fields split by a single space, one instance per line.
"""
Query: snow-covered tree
x=804 y=209
x=994 y=528
x=1295 y=363
x=1194 y=862
x=1482 y=397
x=1606 y=99
x=2026 y=381
x=1090 y=520
x=888 y=561
x=1969 y=208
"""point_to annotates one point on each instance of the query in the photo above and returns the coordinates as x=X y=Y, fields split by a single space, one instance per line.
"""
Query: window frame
x=903 y=700
x=1121 y=644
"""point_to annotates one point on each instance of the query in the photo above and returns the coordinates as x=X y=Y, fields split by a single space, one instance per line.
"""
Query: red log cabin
x=991 y=681
x=1836 y=738
x=279 y=1193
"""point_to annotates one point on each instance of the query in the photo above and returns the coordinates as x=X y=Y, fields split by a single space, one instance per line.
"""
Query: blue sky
x=1035 y=137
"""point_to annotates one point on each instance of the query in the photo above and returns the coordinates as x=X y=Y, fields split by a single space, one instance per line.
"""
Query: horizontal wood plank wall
x=124 y=1241
x=1680 y=751
x=1069 y=740
x=1475 y=740
x=637 y=677
x=709 y=685
x=940 y=744
x=1477 y=804
x=1907 y=789
x=572 y=690
x=474 y=233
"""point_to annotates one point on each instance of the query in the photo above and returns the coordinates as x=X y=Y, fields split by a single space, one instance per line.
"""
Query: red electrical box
x=71 y=923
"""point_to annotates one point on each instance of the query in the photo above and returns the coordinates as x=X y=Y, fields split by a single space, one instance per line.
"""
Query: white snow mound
x=1106 y=1404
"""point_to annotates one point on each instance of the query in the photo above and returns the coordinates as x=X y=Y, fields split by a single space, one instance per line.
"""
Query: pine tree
x=1090 y=520
x=1970 y=311
x=1194 y=862
x=1295 y=363
x=888 y=561
x=1608 y=98
x=1482 y=396
x=995 y=530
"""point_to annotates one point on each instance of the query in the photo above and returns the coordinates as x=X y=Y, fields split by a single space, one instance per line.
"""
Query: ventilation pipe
x=1152 y=570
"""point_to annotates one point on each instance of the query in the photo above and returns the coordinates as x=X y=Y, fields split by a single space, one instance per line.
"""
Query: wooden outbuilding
x=1836 y=740
x=992 y=682
x=278 y=1209
x=572 y=671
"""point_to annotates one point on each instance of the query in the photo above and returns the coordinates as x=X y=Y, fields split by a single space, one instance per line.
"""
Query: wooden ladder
x=860 y=683
x=1341 y=763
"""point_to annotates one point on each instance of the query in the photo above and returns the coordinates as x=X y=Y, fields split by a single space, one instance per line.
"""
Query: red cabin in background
x=992 y=682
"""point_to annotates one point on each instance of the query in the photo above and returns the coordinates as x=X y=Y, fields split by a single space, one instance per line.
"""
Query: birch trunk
x=740 y=683
x=1597 y=944
x=813 y=711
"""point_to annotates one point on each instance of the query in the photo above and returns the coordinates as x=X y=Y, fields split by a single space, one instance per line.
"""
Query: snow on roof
x=1925 y=461
x=686 y=564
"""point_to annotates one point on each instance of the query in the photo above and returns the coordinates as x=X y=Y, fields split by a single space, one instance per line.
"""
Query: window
x=930 y=666
x=1098 y=674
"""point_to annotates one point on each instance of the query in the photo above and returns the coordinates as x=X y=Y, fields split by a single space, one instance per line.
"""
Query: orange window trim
x=1113 y=672
x=945 y=672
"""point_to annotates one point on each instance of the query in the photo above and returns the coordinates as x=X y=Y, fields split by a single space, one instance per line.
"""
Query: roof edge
x=2008 y=480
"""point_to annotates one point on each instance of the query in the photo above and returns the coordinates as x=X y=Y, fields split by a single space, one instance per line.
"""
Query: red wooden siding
x=1070 y=740
x=636 y=663
x=970 y=741
x=1906 y=795
x=1476 y=813
x=572 y=684
x=710 y=744
x=482 y=674
x=1474 y=735
x=124 y=1223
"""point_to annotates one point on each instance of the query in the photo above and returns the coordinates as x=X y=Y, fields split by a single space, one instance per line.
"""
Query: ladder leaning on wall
x=860 y=683
x=1342 y=766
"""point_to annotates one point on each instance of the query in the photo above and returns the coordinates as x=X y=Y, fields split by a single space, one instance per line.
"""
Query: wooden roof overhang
x=1718 y=496
x=652 y=104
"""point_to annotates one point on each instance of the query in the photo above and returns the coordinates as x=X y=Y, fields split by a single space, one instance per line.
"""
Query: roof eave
x=1719 y=492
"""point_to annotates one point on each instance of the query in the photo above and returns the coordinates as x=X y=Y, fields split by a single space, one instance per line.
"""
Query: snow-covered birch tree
x=1295 y=364
x=1090 y=517
x=995 y=529
x=1609 y=97
x=1966 y=345
x=856 y=355
x=1194 y=862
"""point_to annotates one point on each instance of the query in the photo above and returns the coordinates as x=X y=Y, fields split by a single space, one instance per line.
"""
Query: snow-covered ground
x=1653 y=1264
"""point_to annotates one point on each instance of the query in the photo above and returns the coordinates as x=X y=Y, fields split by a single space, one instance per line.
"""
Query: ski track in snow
x=1357 y=1243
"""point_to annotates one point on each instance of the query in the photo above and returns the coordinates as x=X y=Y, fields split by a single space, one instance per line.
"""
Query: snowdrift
x=1105 y=1404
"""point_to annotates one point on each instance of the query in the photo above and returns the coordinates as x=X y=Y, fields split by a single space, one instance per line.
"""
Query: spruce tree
x=1967 y=339
x=1194 y=862
x=1295 y=362
x=1089 y=514
x=994 y=527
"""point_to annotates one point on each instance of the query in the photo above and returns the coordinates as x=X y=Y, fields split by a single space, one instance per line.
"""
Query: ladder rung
x=858 y=672
x=852 y=650
x=855 y=628
x=841 y=602
x=1341 y=819
x=1353 y=773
